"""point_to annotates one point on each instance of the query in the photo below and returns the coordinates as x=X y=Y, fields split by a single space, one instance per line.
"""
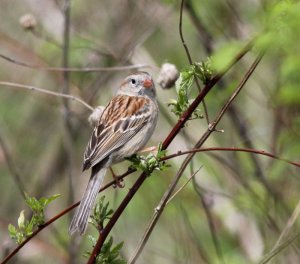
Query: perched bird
x=125 y=126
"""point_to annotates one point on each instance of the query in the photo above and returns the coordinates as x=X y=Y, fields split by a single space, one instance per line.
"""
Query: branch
x=181 y=34
x=190 y=58
x=255 y=151
x=291 y=221
x=40 y=90
x=63 y=69
x=182 y=187
x=279 y=248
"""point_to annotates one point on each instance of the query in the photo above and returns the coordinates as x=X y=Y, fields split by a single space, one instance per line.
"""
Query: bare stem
x=67 y=69
x=190 y=57
x=40 y=90
x=182 y=187
x=254 y=151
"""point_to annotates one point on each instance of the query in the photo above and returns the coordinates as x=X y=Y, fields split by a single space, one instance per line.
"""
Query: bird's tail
x=80 y=219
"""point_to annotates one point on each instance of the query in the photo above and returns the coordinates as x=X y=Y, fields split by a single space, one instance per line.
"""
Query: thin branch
x=181 y=34
x=291 y=221
x=182 y=187
x=63 y=69
x=189 y=57
x=255 y=151
x=40 y=90
x=278 y=249
x=206 y=37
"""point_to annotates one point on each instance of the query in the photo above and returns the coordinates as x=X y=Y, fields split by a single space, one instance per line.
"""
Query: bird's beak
x=148 y=83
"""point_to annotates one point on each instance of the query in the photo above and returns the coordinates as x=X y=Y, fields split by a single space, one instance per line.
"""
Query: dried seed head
x=95 y=116
x=28 y=22
x=167 y=75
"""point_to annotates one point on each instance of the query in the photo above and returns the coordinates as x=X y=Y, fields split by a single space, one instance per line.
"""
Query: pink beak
x=147 y=83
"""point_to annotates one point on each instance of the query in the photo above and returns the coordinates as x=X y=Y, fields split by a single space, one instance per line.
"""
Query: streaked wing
x=121 y=120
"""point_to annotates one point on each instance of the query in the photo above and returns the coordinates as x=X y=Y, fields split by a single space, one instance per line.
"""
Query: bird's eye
x=133 y=81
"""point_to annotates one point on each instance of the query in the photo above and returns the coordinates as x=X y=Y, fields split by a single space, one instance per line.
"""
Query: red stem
x=255 y=151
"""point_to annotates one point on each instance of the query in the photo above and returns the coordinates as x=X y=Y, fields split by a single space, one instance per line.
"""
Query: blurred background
x=236 y=207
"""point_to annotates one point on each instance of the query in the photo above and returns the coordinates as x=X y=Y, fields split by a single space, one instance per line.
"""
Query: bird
x=124 y=127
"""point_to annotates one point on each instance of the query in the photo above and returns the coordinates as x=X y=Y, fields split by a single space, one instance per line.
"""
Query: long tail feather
x=80 y=219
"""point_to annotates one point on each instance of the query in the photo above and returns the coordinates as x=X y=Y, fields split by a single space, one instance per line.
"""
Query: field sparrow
x=125 y=126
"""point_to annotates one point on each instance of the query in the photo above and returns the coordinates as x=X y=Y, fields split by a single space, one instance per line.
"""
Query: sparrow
x=124 y=127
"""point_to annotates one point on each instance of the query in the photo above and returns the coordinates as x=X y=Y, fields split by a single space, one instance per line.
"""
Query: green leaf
x=26 y=228
x=12 y=231
x=101 y=213
x=32 y=202
x=108 y=254
x=151 y=162
x=203 y=70
x=45 y=201
x=184 y=84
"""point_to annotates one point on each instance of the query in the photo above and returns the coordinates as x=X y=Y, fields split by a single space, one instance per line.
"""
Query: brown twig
x=255 y=151
x=190 y=58
x=40 y=90
x=182 y=187
x=181 y=34
x=63 y=69
x=206 y=37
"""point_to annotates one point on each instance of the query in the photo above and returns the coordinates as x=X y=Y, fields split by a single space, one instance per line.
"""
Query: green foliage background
x=247 y=213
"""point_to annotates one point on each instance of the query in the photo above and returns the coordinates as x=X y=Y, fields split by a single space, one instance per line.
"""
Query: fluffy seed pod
x=28 y=22
x=95 y=116
x=167 y=75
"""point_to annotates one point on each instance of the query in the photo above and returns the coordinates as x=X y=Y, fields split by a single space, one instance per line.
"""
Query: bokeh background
x=238 y=204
